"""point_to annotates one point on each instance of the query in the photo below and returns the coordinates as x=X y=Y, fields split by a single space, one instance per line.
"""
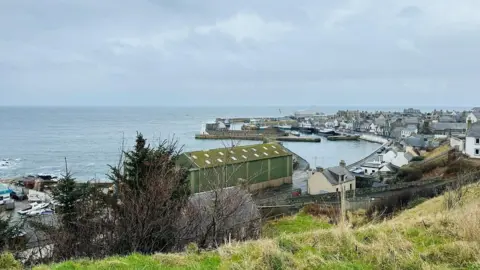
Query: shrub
x=409 y=174
x=7 y=261
x=418 y=158
x=460 y=166
x=432 y=165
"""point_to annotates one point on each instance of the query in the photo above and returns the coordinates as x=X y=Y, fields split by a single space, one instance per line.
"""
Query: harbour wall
x=373 y=138
x=359 y=162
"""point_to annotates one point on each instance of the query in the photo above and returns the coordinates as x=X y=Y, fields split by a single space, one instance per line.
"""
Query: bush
x=409 y=174
x=7 y=261
x=432 y=165
x=418 y=158
x=460 y=166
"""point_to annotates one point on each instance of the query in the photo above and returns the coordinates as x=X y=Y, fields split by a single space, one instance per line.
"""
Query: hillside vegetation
x=440 y=233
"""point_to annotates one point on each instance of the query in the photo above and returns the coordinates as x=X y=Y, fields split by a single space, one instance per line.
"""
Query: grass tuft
x=427 y=236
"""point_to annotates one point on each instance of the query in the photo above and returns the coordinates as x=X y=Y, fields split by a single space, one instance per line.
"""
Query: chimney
x=342 y=163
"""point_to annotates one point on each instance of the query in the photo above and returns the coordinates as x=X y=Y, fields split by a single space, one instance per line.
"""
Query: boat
x=327 y=132
x=33 y=207
x=295 y=133
x=37 y=212
x=285 y=127
x=306 y=128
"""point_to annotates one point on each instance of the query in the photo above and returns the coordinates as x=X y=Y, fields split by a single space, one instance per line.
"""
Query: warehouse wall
x=258 y=173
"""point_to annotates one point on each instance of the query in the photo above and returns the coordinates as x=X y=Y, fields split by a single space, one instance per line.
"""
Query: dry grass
x=442 y=149
x=428 y=236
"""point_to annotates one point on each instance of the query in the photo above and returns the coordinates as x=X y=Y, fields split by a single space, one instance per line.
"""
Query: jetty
x=343 y=138
x=256 y=137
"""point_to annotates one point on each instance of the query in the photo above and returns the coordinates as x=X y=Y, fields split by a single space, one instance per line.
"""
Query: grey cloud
x=165 y=52
x=410 y=12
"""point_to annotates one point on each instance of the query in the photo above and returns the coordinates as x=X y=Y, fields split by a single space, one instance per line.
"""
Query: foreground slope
x=441 y=233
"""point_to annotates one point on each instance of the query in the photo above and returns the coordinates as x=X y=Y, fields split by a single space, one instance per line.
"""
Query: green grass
x=295 y=224
x=137 y=261
x=428 y=236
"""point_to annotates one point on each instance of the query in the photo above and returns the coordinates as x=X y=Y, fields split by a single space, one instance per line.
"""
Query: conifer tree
x=67 y=195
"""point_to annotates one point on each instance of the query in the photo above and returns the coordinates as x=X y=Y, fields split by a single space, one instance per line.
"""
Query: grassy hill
x=441 y=233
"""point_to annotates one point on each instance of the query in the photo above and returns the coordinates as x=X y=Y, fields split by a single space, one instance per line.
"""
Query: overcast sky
x=249 y=52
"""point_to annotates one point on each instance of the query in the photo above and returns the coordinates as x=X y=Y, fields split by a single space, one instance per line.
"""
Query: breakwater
x=255 y=137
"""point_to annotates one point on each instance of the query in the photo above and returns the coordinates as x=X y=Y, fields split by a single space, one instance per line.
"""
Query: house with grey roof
x=473 y=117
x=449 y=128
x=409 y=130
x=472 y=141
x=446 y=119
x=331 y=179
x=411 y=121
x=396 y=132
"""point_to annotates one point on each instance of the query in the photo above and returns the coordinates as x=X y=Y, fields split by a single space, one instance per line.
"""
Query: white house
x=409 y=131
x=330 y=180
x=401 y=159
x=473 y=117
x=472 y=141
x=457 y=143
x=388 y=157
x=371 y=167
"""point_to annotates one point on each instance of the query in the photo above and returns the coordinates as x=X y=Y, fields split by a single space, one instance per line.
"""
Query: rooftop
x=333 y=173
x=238 y=154
x=444 y=126
x=474 y=130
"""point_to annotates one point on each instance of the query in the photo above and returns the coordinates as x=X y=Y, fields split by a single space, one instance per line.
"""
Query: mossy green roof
x=233 y=155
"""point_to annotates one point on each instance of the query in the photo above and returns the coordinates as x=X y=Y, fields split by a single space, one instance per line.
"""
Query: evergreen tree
x=152 y=191
x=68 y=194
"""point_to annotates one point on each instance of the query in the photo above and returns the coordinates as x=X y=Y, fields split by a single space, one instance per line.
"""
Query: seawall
x=373 y=138
x=359 y=162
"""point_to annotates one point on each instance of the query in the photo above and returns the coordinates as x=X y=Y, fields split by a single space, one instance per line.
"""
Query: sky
x=250 y=52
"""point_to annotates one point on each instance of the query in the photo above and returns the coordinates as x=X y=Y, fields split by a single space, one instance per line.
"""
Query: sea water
x=36 y=140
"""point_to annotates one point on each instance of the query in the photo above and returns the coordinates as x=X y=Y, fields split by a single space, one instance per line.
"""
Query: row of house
x=399 y=125
x=334 y=179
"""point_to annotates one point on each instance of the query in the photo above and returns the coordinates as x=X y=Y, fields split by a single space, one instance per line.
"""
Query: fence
x=328 y=197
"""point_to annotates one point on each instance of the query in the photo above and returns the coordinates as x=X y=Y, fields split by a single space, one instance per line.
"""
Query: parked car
x=18 y=195
x=7 y=202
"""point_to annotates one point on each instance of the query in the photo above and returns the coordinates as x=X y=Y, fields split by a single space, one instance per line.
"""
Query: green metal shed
x=258 y=166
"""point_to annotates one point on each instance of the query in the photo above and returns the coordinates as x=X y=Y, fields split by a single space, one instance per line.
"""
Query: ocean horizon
x=36 y=140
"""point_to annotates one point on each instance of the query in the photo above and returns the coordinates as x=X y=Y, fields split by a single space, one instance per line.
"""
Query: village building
x=472 y=141
x=409 y=130
x=257 y=166
x=473 y=117
x=371 y=167
x=449 y=128
x=330 y=180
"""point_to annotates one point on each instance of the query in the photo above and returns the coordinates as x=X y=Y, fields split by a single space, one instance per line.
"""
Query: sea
x=37 y=140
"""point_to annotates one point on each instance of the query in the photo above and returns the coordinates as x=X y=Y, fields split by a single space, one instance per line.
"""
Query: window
x=337 y=189
x=351 y=186
x=366 y=171
x=343 y=177
x=477 y=151
x=373 y=171
x=477 y=141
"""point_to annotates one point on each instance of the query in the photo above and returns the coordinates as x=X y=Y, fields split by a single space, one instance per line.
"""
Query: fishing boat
x=285 y=127
x=295 y=133
x=327 y=132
